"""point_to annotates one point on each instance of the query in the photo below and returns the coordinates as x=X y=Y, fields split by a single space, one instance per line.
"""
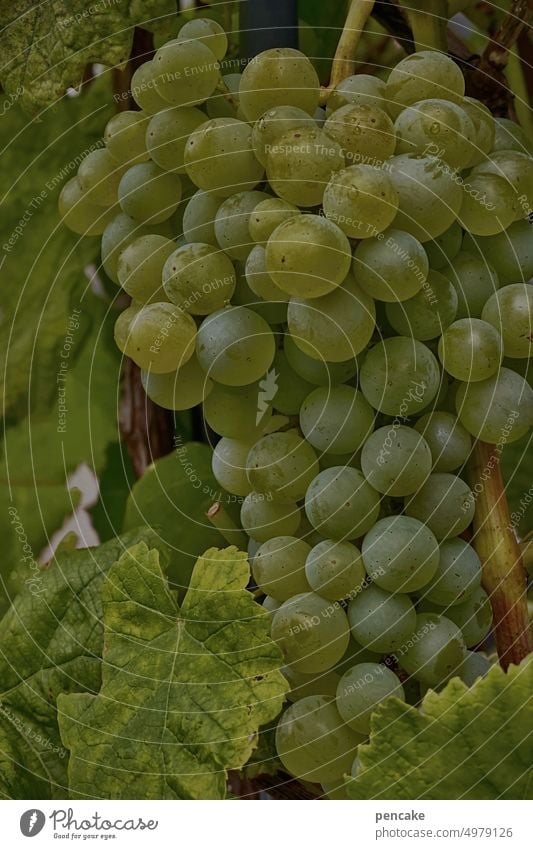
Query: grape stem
x=504 y=576
x=222 y=521
x=344 y=60
x=428 y=20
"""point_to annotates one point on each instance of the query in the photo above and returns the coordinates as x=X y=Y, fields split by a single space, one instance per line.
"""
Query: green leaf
x=173 y=496
x=50 y=643
x=465 y=743
x=46 y=46
x=184 y=690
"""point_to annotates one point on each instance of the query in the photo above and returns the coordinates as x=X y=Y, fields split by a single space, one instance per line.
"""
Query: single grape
x=232 y=220
x=99 y=175
x=442 y=250
x=365 y=133
x=283 y=465
x=391 y=267
x=140 y=265
x=149 y=194
x=362 y=689
x=235 y=346
x=399 y=376
x=308 y=256
x=143 y=89
x=437 y=127
x=359 y=89
x=336 y=420
x=475 y=665
x=234 y=411
x=167 y=134
x=428 y=313
x=180 y=390
x=457 y=576
x=281 y=76
x=312 y=633
x=312 y=741
x=471 y=349
x=516 y=169
x=80 y=214
x=275 y=123
x=489 y=205
x=319 y=372
x=437 y=651
x=186 y=72
x=444 y=503
x=400 y=554
x=122 y=327
x=161 y=338
x=510 y=311
x=473 y=617
x=209 y=32
x=267 y=215
x=124 y=136
x=510 y=253
x=263 y=519
x=361 y=200
x=449 y=442
x=510 y=136
x=381 y=621
x=219 y=157
x=396 y=460
x=423 y=75
x=279 y=567
x=306 y=684
x=300 y=164
x=199 y=218
x=484 y=129
x=499 y=409
x=335 y=570
x=229 y=465
x=270 y=604
x=474 y=280
x=198 y=278
x=341 y=504
x=258 y=278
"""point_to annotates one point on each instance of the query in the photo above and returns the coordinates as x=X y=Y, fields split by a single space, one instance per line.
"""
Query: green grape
x=291 y=389
x=143 y=89
x=473 y=617
x=361 y=200
x=278 y=77
x=341 y=504
x=283 y=465
x=335 y=570
x=180 y=390
x=308 y=256
x=161 y=338
x=484 y=129
x=437 y=127
x=399 y=376
x=267 y=215
x=319 y=372
x=426 y=315
x=516 y=169
x=396 y=460
x=209 y=32
x=235 y=346
x=498 y=410
x=391 y=267
x=303 y=685
x=510 y=311
x=474 y=281
x=273 y=312
x=475 y=665
x=423 y=75
x=365 y=132
x=362 y=689
x=279 y=567
x=509 y=253
x=444 y=503
x=336 y=420
x=234 y=411
x=149 y=194
x=457 y=576
x=510 y=136
x=229 y=465
x=219 y=157
x=185 y=72
x=311 y=631
x=123 y=326
x=118 y=234
x=167 y=134
x=198 y=278
x=300 y=164
x=356 y=653
x=335 y=327
x=224 y=102
x=449 y=442
x=444 y=248
x=231 y=223
x=199 y=218
x=335 y=790
x=400 y=554
x=471 y=349
x=80 y=214
x=99 y=176
x=359 y=89
x=259 y=280
x=312 y=741
x=437 y=651
x=489 y=205
x=124 y=136
x=140 y=266
x=263 y=519
x=270 y=604
x=275 y=123
x=430 y=196
x=381 y=621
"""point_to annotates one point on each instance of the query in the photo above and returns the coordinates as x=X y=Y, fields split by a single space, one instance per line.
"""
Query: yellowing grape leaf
x=465 y=743
x=184 y=690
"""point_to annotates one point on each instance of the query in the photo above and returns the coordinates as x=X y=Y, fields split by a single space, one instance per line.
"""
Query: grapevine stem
x=222 y=521
x=344 y=59
x=504 y=576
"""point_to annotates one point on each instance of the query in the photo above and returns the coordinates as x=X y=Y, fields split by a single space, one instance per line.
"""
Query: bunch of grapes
x=346 y=292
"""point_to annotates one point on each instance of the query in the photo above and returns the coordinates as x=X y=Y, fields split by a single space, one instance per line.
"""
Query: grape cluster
x=346 y=292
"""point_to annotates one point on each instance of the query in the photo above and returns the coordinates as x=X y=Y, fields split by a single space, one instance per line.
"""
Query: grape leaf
x=465 y=743
x=184 y=689
x=46 y=46
x=50 y=643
